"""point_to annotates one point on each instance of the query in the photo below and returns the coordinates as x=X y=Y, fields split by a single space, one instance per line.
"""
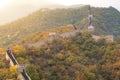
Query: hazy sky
x=103 y=3
x=92 y=2
x=13 y=9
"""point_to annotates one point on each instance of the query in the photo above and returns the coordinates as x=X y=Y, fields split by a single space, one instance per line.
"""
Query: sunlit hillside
x=106 y=21
x=41 y=20
x=76 y=58
x=55 y=44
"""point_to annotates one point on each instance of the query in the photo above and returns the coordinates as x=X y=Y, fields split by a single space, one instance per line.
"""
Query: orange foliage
x=2 y=51
x=18 y=49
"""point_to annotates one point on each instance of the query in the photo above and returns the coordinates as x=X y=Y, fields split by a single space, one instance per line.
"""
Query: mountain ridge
x=106 y=21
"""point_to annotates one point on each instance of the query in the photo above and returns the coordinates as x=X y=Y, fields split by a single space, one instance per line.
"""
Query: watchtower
x=90 y=18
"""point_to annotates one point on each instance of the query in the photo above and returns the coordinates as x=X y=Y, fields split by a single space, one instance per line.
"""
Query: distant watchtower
x=74 y=27
x=90 y=17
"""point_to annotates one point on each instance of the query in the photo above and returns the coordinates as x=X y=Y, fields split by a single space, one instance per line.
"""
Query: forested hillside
x=106 y=21
x=77 y=58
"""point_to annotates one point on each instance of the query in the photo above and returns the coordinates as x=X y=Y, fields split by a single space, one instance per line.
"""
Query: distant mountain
x=106 y=21
x=75 y=6
x=22 y=8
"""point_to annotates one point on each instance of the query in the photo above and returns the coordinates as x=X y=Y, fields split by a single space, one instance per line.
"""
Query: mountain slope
x=41 y=20
x=78 y=58
x=106 y=21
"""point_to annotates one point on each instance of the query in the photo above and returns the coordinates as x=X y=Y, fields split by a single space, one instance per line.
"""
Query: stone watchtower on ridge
x=90 y=18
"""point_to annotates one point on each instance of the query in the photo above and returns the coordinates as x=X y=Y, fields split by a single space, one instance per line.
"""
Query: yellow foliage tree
x=2 y=51
x=18 y=49
x=13 y=71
